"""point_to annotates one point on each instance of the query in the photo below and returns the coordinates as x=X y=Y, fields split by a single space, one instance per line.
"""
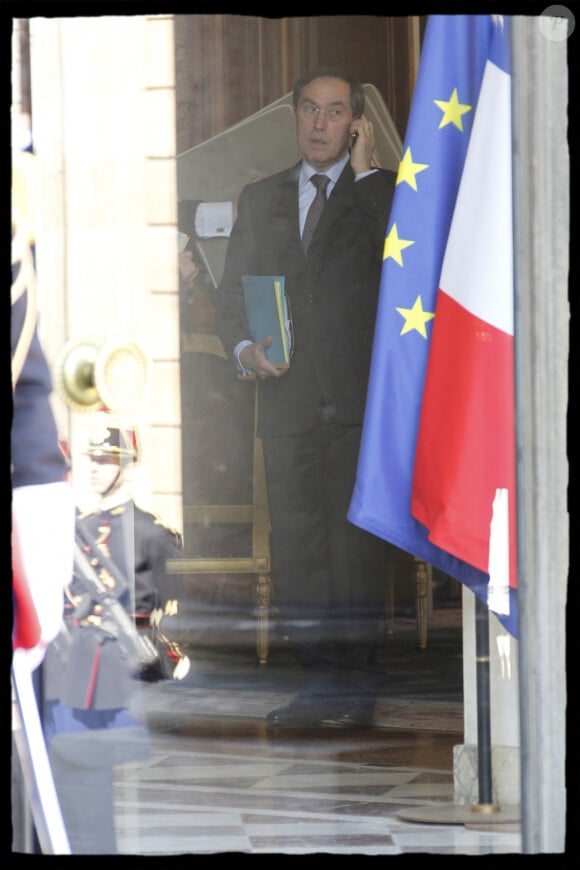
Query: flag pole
x=482 y=669
x=485 y=812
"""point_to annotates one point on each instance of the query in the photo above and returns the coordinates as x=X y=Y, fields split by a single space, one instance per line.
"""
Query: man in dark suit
x=329 y=574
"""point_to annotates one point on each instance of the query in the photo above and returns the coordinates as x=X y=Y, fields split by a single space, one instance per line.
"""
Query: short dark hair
x=357 y=95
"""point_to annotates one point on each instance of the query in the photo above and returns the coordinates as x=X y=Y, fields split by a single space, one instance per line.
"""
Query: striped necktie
x=320 y=182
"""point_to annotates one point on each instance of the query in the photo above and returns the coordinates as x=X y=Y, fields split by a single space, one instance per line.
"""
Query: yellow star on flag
x=452 y=110
x=415 y=317
x=408 y=170
x=394 y=245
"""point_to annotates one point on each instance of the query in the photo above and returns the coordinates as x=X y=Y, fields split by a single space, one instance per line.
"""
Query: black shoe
x=356 y=713
x=303 y=710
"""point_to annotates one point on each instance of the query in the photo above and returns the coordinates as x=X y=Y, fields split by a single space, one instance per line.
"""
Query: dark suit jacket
x=333 y=292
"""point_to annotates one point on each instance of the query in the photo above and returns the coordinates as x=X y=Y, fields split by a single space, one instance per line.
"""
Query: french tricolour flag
x=464 y=475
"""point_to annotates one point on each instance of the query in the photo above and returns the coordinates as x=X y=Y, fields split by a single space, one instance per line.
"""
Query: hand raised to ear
x=363 y=145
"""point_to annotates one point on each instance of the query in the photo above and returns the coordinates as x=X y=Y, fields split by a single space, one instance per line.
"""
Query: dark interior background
x=229 y=66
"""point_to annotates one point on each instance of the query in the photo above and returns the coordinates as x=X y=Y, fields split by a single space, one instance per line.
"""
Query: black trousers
x=329 y=574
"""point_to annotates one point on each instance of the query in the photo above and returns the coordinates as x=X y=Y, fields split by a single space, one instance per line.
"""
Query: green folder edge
x=282 y=318
x=277 y=282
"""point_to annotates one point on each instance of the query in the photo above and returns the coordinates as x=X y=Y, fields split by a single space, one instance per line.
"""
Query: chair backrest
x=218 y=429
x=230 y=536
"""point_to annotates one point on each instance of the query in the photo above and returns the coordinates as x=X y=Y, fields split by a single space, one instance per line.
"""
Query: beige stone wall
x=103 y=107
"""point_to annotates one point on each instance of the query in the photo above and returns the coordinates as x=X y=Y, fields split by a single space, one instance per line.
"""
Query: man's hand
x=363 y=145
x=188 y=268
x=253 y=357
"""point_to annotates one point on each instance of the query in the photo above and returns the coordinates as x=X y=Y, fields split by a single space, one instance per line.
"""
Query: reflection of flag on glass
x=450 y=228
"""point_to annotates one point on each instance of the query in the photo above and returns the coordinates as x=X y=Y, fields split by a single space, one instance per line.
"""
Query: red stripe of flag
x=466 y=424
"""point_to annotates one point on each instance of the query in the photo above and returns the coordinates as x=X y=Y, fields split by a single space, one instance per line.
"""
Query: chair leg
x=390 y=599
x=421 y=600
x=262 y=611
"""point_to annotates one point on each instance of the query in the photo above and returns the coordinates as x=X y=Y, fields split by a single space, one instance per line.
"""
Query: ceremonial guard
x=128 y=548
x=94 y=719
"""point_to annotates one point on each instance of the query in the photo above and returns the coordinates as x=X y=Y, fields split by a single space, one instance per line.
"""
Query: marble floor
x=216 y=780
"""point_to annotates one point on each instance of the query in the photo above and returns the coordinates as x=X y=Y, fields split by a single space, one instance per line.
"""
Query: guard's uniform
x=94 y=722
x=95 y=675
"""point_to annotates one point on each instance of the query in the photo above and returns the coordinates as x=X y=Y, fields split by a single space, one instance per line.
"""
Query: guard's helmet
x=112 y=441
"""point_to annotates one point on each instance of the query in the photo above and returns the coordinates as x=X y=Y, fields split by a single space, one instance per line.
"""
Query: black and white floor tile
x=186 y=801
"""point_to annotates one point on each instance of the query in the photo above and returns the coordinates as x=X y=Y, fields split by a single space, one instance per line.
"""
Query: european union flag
x=455 y=52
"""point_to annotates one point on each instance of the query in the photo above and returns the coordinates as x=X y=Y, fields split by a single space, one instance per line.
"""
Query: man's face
x=324 y=136
x=103 y=473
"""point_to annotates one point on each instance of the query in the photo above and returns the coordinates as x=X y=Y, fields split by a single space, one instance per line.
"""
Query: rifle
x=89 y=543
x=137 y=648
